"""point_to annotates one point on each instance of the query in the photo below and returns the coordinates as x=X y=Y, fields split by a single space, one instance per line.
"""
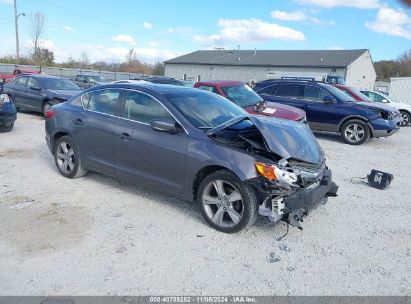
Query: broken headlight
x=274 y=173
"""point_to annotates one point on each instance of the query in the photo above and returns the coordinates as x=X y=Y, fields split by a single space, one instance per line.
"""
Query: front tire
x=6 y=128
x=67 y=158
x=227 y=204
x=406 y=118
x=355 y=132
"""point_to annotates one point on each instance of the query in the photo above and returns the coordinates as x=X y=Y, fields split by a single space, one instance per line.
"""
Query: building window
x=334 y=70
x=198 y=78
x=185 y=77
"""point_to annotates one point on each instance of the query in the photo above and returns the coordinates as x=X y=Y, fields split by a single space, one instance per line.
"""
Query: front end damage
x=291 y=203
x=291 y=173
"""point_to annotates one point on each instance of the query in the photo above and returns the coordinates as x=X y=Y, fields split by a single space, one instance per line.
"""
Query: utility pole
x=16 y=19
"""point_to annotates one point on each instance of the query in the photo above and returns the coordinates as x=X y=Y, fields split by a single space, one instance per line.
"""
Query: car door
x=34 y=95
x=145 y=155
x=18 y=91
x=321 y=113
x=94 y=129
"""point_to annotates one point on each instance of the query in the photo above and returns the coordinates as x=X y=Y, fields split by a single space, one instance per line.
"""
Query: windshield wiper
x=205 y=128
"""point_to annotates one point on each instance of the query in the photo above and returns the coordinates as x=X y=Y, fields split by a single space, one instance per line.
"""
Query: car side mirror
x=328 y=99
x=35 y=88
x=164 y=125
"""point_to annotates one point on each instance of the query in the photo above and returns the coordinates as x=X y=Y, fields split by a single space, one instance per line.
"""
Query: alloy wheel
x=65 y=157
x=223 y=203
x=405 y=119
x=354 y=133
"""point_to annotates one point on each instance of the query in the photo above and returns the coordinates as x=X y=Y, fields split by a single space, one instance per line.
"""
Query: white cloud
x=336 y=48
x=391 y=22
x=147 y=25
x=289 y=16
x=6 y=1
x=69 y=29
x=170 y=30
x=363 y=4
x=124 y=38
x=298 y=16
x=249 y=30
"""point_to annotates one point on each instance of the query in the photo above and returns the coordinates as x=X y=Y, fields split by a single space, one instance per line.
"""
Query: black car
x=195 y=144
x=39 y=92
x=330 y=109
x=8 y=113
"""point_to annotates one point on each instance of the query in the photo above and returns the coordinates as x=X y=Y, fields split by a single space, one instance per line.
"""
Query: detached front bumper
x=294 y=206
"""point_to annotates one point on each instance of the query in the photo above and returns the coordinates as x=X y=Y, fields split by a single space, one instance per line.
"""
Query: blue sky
x=158 y=30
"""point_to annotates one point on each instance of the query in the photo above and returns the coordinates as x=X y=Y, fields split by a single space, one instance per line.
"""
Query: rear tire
x=67 y=158
x=355 y=132
x=406 y=118
x=6 y=128
x=226 y=203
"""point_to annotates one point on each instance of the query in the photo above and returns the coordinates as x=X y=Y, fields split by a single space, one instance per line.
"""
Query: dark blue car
x=329 y=109
x=39 y=92
x=7 y=113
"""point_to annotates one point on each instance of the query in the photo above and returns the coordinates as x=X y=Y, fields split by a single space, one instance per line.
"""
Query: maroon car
x=245 y=97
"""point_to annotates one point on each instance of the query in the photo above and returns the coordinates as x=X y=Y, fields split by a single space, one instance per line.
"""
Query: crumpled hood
x=286 y=138
x=279 y=110
x=64 y=94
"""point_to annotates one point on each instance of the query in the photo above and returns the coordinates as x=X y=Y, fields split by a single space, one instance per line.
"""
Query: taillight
x=49 y=113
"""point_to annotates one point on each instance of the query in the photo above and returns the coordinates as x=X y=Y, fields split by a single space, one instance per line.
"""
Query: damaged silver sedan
x=195 y=144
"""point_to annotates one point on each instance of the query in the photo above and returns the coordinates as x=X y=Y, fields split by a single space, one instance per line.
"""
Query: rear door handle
x=78 y=122
x=125 y=136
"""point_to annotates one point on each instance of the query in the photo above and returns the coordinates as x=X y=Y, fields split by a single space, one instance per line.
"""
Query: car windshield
x=339 y=93
x=96 y=78
x=204 y=110
x=242 y=95
x=58 y=84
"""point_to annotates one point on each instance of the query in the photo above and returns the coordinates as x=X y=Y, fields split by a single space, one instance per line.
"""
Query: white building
x=400 y=89
x=355 y=66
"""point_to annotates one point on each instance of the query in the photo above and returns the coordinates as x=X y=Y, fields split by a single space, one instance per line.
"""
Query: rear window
x=289 y=90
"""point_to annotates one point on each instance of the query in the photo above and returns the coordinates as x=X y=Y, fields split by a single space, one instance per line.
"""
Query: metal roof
x=291 y=58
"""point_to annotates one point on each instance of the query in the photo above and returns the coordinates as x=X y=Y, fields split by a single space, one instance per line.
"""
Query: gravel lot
x=99 y=236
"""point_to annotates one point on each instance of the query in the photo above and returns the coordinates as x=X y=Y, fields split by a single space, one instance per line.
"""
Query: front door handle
x=125 y=136
x=78 y=122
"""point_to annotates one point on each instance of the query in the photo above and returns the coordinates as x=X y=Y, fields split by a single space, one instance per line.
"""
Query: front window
x=102 y=101
x=313 y=93
x=143 y=108
x=59 y=84
x=204 y=110
x=242 y=95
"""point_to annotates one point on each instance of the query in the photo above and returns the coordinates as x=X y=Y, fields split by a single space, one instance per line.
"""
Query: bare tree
x=37 y=28
x=84 y=60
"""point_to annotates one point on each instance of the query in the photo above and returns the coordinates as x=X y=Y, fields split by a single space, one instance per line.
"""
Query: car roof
x=222 y=83
x=275 y=81
x=159 y=88
x=44 y=76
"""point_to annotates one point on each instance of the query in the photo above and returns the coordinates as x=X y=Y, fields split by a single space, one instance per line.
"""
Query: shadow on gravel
x=156 y=196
